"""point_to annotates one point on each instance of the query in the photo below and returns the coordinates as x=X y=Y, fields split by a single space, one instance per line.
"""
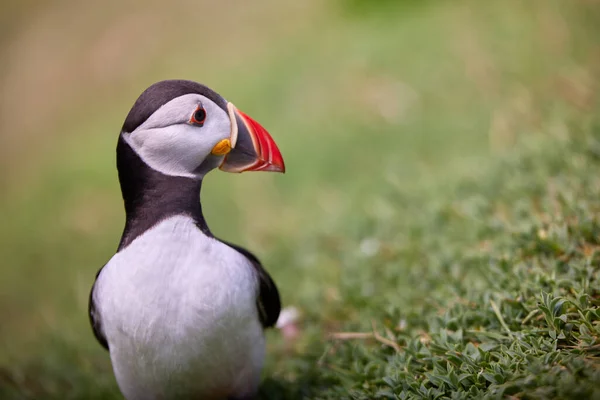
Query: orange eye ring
x=199 y=116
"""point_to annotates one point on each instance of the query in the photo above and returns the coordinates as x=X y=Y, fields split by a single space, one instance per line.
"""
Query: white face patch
x=168 y=143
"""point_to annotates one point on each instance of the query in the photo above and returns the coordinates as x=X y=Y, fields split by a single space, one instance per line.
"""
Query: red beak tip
x=270 y=158
x=276 y=168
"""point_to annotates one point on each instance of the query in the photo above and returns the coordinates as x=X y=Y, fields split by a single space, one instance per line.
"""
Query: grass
x=491 y=293
x=437 y=229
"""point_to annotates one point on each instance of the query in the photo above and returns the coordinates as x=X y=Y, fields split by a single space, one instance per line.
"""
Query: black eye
x=199 y=116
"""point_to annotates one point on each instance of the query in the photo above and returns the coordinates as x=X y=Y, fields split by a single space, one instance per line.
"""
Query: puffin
x=181 y=312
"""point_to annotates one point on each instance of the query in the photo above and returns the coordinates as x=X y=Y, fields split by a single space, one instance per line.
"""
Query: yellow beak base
x=221 y=148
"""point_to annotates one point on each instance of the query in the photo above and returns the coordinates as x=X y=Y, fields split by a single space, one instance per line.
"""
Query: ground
x=437 y=227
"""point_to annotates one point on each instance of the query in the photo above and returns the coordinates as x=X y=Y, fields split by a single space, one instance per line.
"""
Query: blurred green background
x=361 y=96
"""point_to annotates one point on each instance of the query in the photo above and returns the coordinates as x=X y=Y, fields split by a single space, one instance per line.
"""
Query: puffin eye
x=199 y=116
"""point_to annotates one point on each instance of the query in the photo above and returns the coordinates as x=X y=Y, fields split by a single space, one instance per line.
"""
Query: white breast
x=179 y=313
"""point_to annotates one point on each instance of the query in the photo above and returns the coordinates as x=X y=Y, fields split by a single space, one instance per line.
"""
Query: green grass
x=491 y=292
x=437 y=228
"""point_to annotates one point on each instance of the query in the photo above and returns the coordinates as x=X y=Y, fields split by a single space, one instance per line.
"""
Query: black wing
x=95 y=318
x=268 y=302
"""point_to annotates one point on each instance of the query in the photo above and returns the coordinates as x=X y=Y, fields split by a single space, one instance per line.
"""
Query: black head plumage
x=161 y=93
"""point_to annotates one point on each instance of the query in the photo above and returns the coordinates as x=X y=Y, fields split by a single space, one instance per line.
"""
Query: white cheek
x=167 y=143
x=174 y=150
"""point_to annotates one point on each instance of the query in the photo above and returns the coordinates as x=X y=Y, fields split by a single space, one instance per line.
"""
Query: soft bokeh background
x=360 y=96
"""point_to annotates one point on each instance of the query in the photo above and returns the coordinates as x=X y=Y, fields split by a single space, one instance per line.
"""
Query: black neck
x=151 y=196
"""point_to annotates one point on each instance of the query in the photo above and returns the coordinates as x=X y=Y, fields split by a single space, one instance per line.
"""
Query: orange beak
x=252 y=147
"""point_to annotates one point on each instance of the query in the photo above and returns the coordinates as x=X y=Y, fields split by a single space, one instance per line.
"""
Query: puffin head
x=182 y=128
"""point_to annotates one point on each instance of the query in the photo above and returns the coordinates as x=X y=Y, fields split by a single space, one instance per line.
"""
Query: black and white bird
x=181 y=312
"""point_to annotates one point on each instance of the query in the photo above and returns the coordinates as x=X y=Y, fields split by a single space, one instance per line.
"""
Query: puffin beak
x=251 y=146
